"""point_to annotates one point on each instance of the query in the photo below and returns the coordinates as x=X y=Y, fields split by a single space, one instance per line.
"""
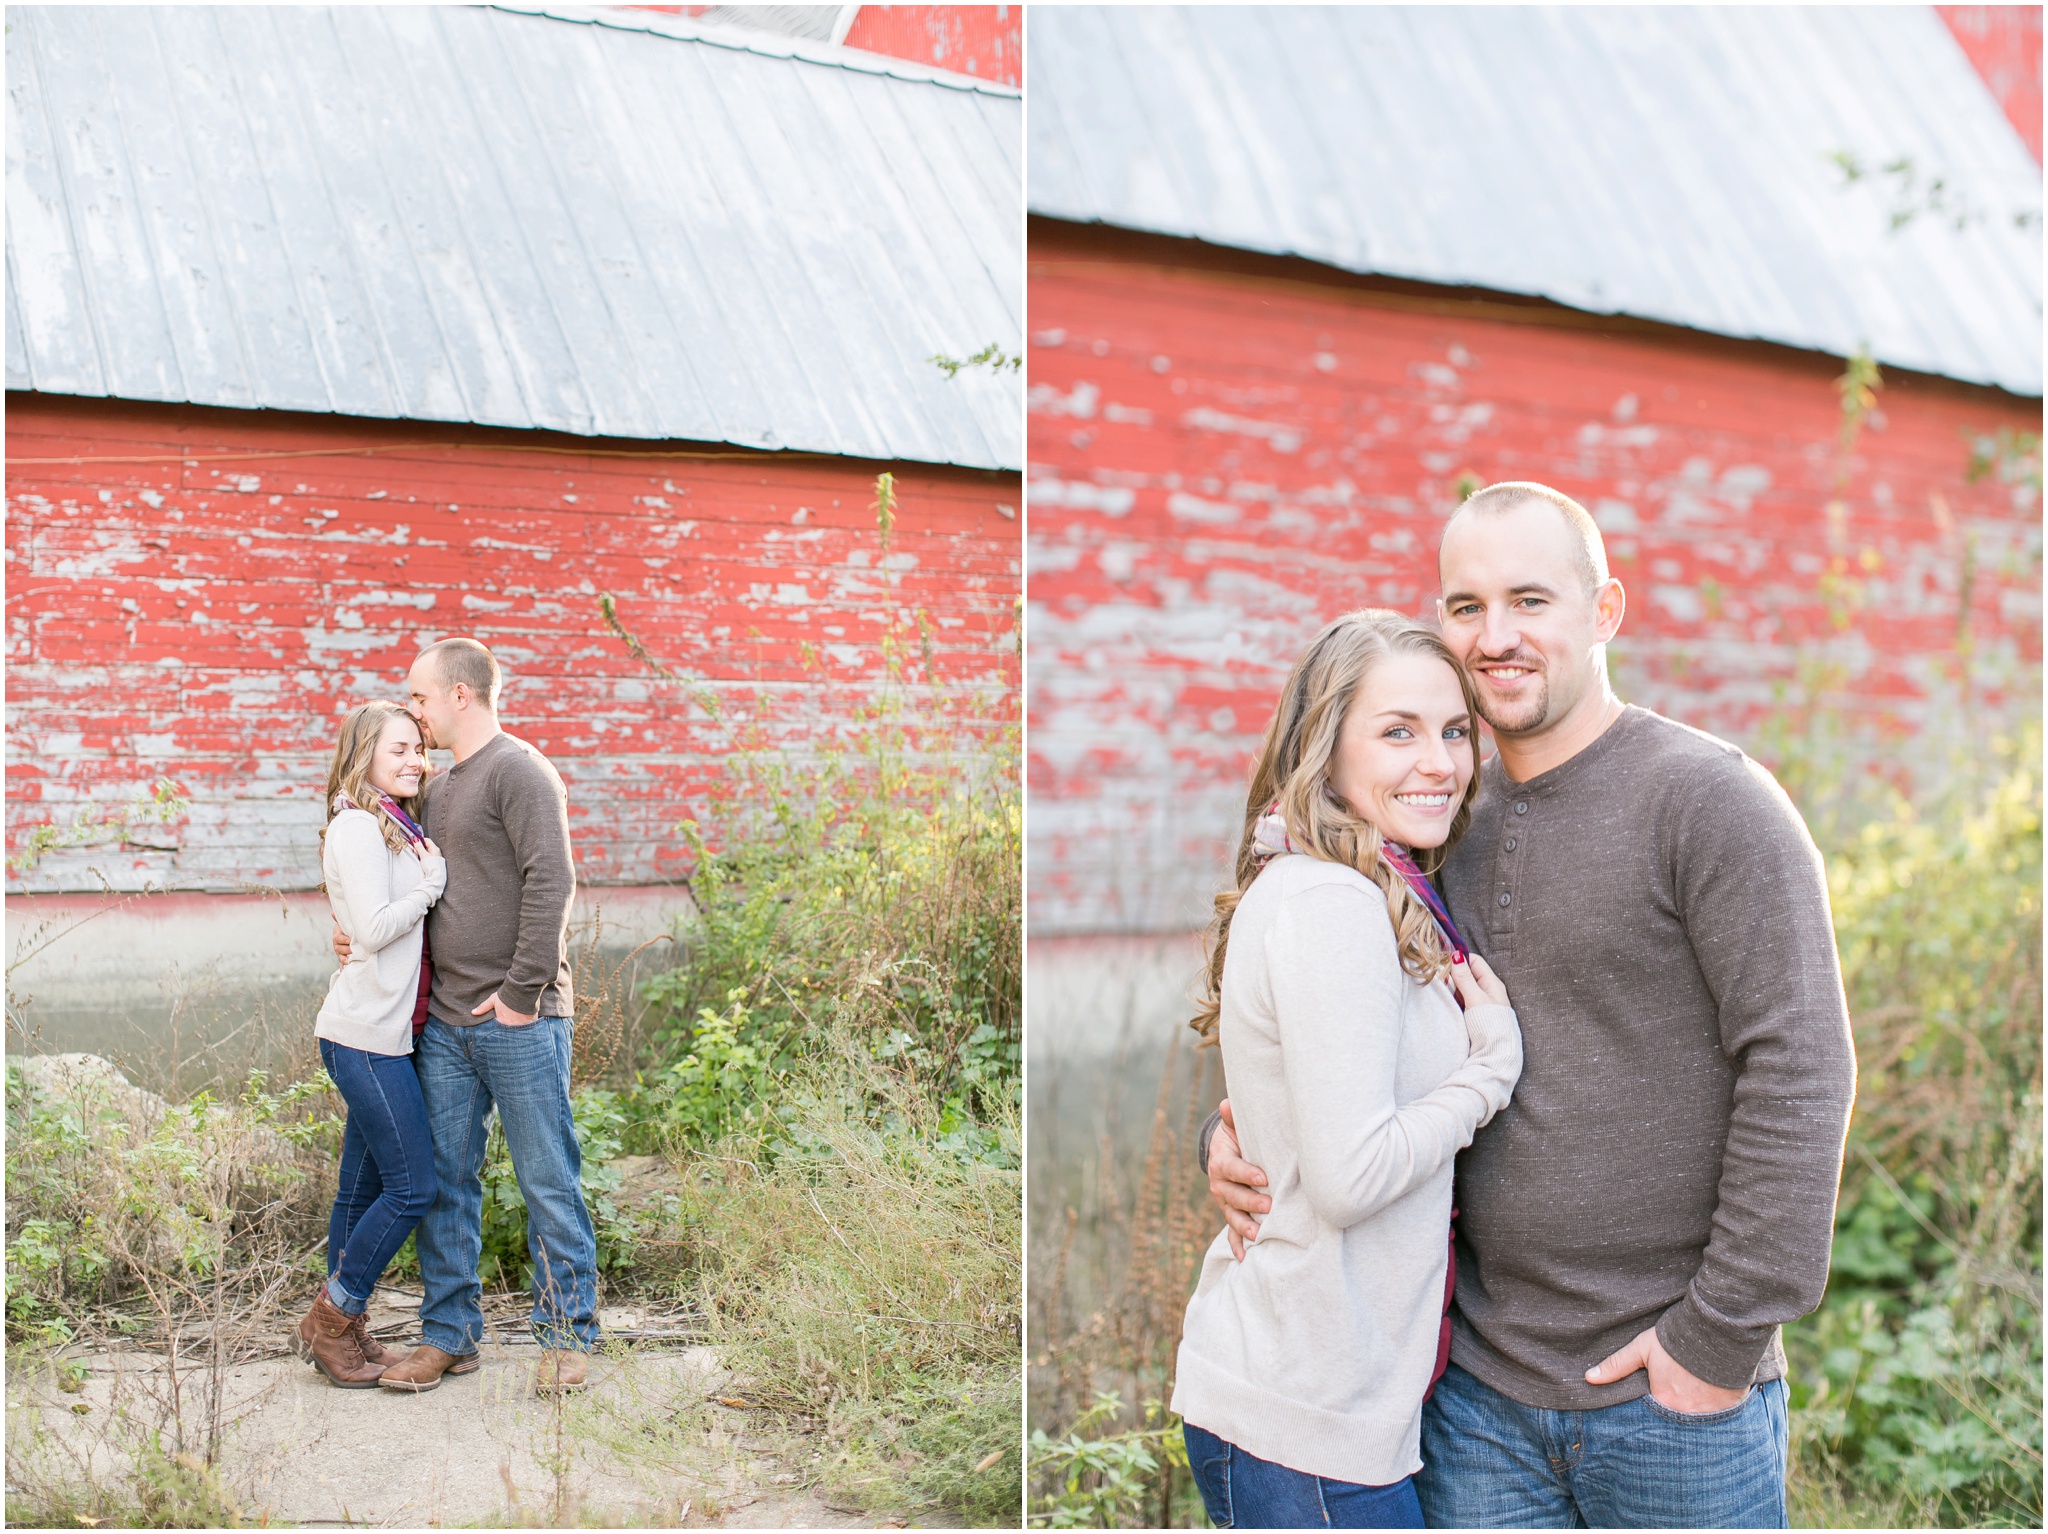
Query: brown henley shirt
x=1659 y=915
x=501 y=819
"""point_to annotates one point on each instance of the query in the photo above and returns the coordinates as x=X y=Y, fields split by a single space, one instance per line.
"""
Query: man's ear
x=1610 y=602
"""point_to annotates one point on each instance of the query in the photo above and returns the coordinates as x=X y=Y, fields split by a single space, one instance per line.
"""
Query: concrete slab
x=648 y=1444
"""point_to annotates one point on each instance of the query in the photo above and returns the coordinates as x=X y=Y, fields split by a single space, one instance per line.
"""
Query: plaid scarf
x=1270 y=839
x=411 y=827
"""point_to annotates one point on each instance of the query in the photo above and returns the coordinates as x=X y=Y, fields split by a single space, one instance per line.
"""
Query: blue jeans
x=525 y=1072
x=1242 y=1491
x=387 y=1169
x=1492 y=1463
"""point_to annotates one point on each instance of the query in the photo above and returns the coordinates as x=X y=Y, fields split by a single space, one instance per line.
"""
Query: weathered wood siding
x=207 y=610
x=1225 y=452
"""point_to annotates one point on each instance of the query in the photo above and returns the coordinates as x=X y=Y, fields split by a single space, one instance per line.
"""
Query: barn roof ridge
x=773 y=45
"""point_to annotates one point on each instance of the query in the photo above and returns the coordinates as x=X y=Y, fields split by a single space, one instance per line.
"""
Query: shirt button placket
x=1503 y=922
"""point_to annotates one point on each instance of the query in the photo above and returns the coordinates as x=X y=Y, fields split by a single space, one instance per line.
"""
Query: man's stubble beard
x=1533 y=713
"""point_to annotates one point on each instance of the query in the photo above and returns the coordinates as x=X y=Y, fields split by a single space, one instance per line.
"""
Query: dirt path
x=647 y=1444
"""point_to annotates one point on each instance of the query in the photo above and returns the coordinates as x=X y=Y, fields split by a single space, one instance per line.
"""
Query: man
x=1658 y=1197
x=499 y=1027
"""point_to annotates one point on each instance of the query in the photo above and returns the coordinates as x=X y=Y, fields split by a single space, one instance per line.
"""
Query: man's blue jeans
x=1242 y=1491
x=387 y=1169
x=525 y=1072
x=1492 y=1463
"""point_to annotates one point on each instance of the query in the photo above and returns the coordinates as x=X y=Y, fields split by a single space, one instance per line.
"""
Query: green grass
x=864 y=1280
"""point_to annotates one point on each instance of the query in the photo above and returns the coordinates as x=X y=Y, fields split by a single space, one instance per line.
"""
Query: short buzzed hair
x=470 y=663
x=1589 y=550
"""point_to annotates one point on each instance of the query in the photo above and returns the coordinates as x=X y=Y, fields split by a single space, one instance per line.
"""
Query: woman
x=1355 y=1080
x=382 y=875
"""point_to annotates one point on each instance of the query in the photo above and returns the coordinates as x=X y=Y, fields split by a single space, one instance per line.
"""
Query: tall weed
x=835 y=1062
x=1917 y=1385
x=1113 y=1270
x=859 y=1265
x=140 y=1226
x=877 y=870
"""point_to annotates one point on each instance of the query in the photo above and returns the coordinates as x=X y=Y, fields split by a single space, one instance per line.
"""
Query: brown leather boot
x=373 y=1350
x=423 y=1367
x=561 y=1369
x=327 y=1340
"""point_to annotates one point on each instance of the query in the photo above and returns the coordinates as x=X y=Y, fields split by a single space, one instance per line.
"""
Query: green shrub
x=727 y=1077
x=836 y=1064
x=600 y=1124
x=1117 y=1480
x=1917 y=1385
x=114 y=1194
x=876 y=878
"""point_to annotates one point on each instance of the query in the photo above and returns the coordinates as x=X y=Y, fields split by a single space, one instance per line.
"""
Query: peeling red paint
x=1225 y=452
x=209 y=621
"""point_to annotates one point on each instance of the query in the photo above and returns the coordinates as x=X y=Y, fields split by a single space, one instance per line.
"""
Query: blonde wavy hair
x=350 y=773
x=1294 y=772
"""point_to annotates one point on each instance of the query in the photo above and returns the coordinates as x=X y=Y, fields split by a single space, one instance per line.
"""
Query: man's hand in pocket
x=1672 y=1385
x=502 y=1013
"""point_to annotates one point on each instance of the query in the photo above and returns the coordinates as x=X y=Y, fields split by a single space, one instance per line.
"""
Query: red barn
x=982 y=40
x=2003 y=43
x=1299 y=276
x=334 y=331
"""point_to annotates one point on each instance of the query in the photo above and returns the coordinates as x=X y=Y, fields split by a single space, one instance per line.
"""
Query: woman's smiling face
x=1404 y=756
x=400 y=761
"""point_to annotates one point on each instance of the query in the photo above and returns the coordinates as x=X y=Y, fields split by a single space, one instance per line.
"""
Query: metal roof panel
x=1675 y=163
x=575 y=220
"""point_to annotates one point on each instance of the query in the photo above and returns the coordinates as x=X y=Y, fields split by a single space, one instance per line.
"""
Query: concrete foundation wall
x=1102 y=1015
x=181 y=988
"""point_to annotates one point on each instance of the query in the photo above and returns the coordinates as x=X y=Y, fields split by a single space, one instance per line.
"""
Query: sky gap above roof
x=1680 y=164
x=443 y=213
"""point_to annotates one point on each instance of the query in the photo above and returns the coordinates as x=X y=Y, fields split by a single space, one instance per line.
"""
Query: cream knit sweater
x=1354 y=1087
x=380 y=898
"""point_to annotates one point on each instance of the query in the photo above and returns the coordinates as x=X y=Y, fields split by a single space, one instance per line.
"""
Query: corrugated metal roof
x=1670 y=163
x=822 y=23
x=636 y=227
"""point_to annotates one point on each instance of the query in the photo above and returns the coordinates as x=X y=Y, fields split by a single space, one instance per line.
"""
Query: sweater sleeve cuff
x=1712 y=1347
x=523 y=999
x=1202 y=1140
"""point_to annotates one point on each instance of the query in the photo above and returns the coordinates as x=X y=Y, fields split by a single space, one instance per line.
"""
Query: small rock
x=84 y=1078
x=89 y=1080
